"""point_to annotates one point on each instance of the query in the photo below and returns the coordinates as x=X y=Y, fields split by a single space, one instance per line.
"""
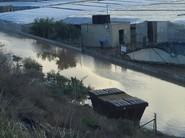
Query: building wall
x=115 y=33
x=170 y=32
x=140 y=35
x=162 y=32
x=141 y=31
x=92 y=34
x=176 y=32
x=166 y=32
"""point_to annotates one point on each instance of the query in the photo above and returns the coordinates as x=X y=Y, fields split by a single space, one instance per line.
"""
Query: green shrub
x=30 y=64
x=42 y=27
x=90 y=122
x=12 y=129
x=61 y=30
x=57 y=30
x=73 y=87
x=31 y=110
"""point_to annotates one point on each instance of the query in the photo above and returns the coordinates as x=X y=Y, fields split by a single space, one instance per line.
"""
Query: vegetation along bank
x=37 y=105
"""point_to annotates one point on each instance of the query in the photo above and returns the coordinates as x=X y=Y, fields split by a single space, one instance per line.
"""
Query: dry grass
x=29 y=108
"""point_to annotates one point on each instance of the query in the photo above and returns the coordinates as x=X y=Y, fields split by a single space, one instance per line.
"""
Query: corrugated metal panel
x=106 y=91
x=117 y=97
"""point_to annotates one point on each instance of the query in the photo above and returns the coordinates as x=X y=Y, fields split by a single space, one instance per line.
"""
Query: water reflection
x=63 y=57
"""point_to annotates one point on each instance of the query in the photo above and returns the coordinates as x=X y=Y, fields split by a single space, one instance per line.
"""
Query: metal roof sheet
x=117 y=97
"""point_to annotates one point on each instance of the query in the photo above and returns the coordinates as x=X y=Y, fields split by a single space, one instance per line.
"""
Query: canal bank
x=157 y=70
x=165 y=72
x=50 y=42
x=55 y=108
x=100 y=74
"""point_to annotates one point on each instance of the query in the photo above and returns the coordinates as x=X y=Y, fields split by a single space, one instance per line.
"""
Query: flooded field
x=158 y=10
x=164 y=98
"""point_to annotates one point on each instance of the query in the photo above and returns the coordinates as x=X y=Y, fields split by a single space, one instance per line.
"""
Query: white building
x=152 y=33
x=164 y=43
x=105 y=35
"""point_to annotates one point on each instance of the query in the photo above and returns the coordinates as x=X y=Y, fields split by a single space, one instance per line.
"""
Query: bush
x=61 y=30
x=90 y=122
x=32 y=110
x=12 y=129
x=57 y=30
x=42 y=27
x=30 y=64
x=72 y=88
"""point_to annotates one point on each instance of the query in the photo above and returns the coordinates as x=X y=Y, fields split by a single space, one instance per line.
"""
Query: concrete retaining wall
x=147 y=69
x=157 y=72
x=19 y=29
x=50 y=42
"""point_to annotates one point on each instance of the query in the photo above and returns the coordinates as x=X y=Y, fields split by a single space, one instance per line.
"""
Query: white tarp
x=156 y=55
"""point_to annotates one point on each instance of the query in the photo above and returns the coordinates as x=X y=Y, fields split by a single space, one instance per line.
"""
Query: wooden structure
x=115 y=103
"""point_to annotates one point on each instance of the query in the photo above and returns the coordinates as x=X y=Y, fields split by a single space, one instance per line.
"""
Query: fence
x=154 y=120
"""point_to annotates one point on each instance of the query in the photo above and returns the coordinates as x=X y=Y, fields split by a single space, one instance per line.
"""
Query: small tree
x=74 y=32
x=47 y=28
x=43 y=27
x=61 y=30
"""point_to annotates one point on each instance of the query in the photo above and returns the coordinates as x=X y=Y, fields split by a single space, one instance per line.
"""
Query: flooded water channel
x=164 y=98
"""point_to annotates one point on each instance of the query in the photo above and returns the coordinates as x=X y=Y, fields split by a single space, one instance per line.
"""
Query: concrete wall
x=141 y=34
x=170 y=32
x=141 y=31
x=176 y=32
x=138 y=36
x=162 y=32
x=115 y=33
x=109 y=33
x=166 y=32
x=93 y=33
